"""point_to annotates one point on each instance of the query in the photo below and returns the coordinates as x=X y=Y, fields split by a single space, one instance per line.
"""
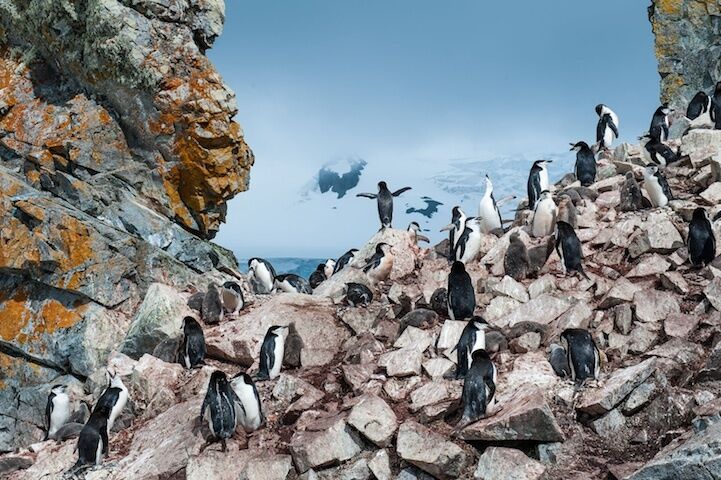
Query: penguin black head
x=545 y=194
x=458 y=267
x=480 y=354
x=382 y=248
x=479 y=322
x=541 y=163
x=663 y=110
x=189 y=323
x=218 y=378
x=382 y=186
x=717 y=89
x=563 y=228
x=59 y=388
x=277 y=329
x=232 y=286
x=579 y=146
x=699 y=215
x=320 y=267
x=244 y=377
x=414 y=226
x=599 y=109
x=651 y=170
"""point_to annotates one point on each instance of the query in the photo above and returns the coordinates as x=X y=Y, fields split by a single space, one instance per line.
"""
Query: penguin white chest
x=544 y=218
x=383 y=270
x=473 y=246
x=543 y=178
x=278 y=350
x=479 y=343
x=118 y=407
x=655 y=192
x=488 y=214
x=249 y=417
x=60 y=413
x=263 y=276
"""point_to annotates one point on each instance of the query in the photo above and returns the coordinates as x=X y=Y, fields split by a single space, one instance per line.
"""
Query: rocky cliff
x=688 y=47
x=118 y=153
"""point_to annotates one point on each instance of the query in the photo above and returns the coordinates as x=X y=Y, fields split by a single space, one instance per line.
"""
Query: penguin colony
x=234 y=402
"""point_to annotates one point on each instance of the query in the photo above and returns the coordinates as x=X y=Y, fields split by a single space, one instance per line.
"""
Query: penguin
x=261 y=275
x=461 y=296
x=631 y=197
x=93 y=440
x=544 y=215
x=385 y=202
x=271 y=352
x=655 y=184
x=220 y=402
x=345 y=260
x=569 y=249
x=57 y=410
x=192 y=350
x=232 y=296
x=358 y=294
x=292 y=283
x=113 y=398
x=716 y=107
x=67 y=431
x=701 y=239
x=585 y=163
x=329 y=268
x=249 y=413
x=293 y=347
x=479 y=388
x=607 y=128
x=212 y=311
x=559 y=360
x=468 y=244
x=414 y=231
x=317 y=277
x=660 y=153
x=537 y=181
x=472 y=338
x=699 y=105
x=658 y=131
x=455 y=229
x=488 y=213
x=379 y=266
x=516 y=263
x=584 y=359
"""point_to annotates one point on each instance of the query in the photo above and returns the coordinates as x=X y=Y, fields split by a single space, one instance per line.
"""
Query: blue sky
x=430 y=94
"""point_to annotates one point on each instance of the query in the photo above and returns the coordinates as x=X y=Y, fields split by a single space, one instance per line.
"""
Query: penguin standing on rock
x=569 y=249
x=193 y=348
x=220 y=403
x=271 y=352
x=455 y=229
x=469 y=243
x=516 y=263
x=716 y=107
x=379 y=266
x=57 y=410
x=472 y=338
x=584 y=359
x=261 y=275
x=232 y=296
x=329 y=268
x=344 y=260
x=317 y=277
x=414 y=230
x=461 y=296
x=293 y=347
x=212 y=310
x=292 y=283
x=544 y=215
x=585 y=163
x=93 y=440
x=358 y=294
x=249 y=413
x=660 y=153
x=700 y=105
x=658 y=131
x=114 y=398
x=537 y=181
x=385 y=202
x=479 y=388
x=701 y=239
x=657 y=187
x=488 y=213
x=607 y=128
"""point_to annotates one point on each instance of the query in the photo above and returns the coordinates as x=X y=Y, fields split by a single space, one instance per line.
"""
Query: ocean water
x=300 y=266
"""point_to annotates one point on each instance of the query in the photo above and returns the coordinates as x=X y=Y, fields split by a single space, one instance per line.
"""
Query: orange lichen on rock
x=15 y=315
x=54 y=315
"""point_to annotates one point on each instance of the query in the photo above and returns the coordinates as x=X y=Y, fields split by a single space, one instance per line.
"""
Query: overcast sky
x=427 y=93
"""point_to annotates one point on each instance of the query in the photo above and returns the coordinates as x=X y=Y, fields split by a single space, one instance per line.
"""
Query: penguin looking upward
x=261 y=275
x=344 y=260
x=414 y=230
x=271 y=352
x=57 y=410
x=455 y=228
x=658 y=131
x=479 y=388
x=699 y=105
x=569 y=249
x=585 y=163
x=249 y=413
x=318 y=276
x=701 y=239
x=584 y=359
x=657 y=187
x=488 y=213
x=537 y=181
x=716 y=107
x=385 y=202
x=220 y=402
x=468 y=244
x=544 y=215
x=379 y=266
x=461 y=295
x=607 y=128
x=192 y=350
x=114 y=398
x=472 y=338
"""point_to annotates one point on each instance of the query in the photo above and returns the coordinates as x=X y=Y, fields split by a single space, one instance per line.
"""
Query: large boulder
x=430 y=451
x=596 y=401
x=326 y=442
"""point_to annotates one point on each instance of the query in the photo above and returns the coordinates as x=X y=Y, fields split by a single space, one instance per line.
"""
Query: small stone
x=623 y=318
x=713 y=293
x=674 y=281
x=609 y=425
x=680 y=325
x=652 y=265
x=544 y=284
x=655 y=305
x=641 y=339
x=510 y=288
x=414 y=338
x=380 y=465
x=499 y=307
x=429 y=394
x=437 y=367
x=398 y=389
x=329 y=441
x=430 y=451
x=499 y=463
x=640 y=397
x=450 y=334
x=527 y=342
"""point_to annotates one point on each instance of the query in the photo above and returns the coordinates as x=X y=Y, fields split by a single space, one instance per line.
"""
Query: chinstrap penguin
x=379 y=266
x=271 y=352
x=249 y=411
x=488 y=213
x=455 y=228
x=472 y=338
x=93 y=440
x=537 y=181
x=261 y=275
x=607 y=128
x=568 y=247
x=657 y=187
x=660 y=153
x=192 y=350
x=468 y=244
x=317 y=277
x=385 y=202
x=220 y=403
x=479 y=388
x=658 y=131
x=583 y=356
x=585 y=163
x=292 y=283
x=544 y=215
x=461 y=295
x=414 y=230
x=329 y=268
x=700 y=105
x=344 y=260
x=57 y=410
x=114 y=398
x=701 y=239
x=232 y=296
x=358 y=295
x=716 y=107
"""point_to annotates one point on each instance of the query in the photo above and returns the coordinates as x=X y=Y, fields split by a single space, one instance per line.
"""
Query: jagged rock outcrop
x=118 y=153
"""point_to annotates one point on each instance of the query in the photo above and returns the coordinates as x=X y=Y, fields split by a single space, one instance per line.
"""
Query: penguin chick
x=516 y=263
x=544 y=215
x=358 y=294
x=293 y=347
x=232 y=298
x=559 y=360
x=212 y=311
x=317 y=277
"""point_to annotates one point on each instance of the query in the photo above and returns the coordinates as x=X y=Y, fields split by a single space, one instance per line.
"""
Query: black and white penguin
x=192 y=350
x=114 y=398
x=488 y=213
x=385 y=202
x=261 y=275
x=472 y=338
x=455 y=229
x=569 y=249
x=293 y=347
x=358 y=295
x=516 y=263
x=212 y=309
x=658 y=131
x=479 y=388
x=345 y=260
x=329 y=268
x=657 y=187
x=93 y=440
x=249 y=413
x=701 y=239
x=607 y=127
x=317 y=277
x=292 y=283
x=271 y=352
x=468 y=244
x=544 y=215
x=716 y=107
x=57 y=410
x=537 y=181
x=461 y=296
x=660 y=153
x=220 y=403
x=232 y=296
x=414 y=231
x=700 y=105
x=379 y=266
x=585 y=163
x=559 y=360
x=584 y=359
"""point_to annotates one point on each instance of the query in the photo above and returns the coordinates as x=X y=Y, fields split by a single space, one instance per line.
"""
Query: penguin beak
x=447 y=227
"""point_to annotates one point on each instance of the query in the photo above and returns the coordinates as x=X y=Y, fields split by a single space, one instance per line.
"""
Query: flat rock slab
x=374 y=419
x=543 y=309
x=655 y=305
x=429 y=451
x=402 y=363
x=616 y=388
x=331 y=441
x=498 y=463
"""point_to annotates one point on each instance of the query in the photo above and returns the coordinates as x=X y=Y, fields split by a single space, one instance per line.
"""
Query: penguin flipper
x=399 y=191
x=367 y=195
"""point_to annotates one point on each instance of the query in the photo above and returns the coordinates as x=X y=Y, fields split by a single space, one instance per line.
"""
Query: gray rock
x=713 y=293
x=498 y=463
x=374 y=419
x=326 y=442
x=380 y=465
x=609 y=425
x=640 y=397
x=267 y=467
x=509 y=288
x=544 y=284
x=439 y=367
x=429 y=451
x=623 y=318
x=414 y=338
x=542 y=310
x=617 y=387
x=402 y=363
x=429 y=394
x=450 y=334
x=654 y=305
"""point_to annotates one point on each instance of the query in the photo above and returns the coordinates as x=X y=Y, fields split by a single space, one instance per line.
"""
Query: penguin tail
x=583 y=273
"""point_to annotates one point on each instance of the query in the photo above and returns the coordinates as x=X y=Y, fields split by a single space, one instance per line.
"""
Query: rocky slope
x=117 y=154
x=374 y=395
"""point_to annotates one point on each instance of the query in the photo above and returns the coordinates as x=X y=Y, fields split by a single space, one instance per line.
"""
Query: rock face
x=118 y=153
